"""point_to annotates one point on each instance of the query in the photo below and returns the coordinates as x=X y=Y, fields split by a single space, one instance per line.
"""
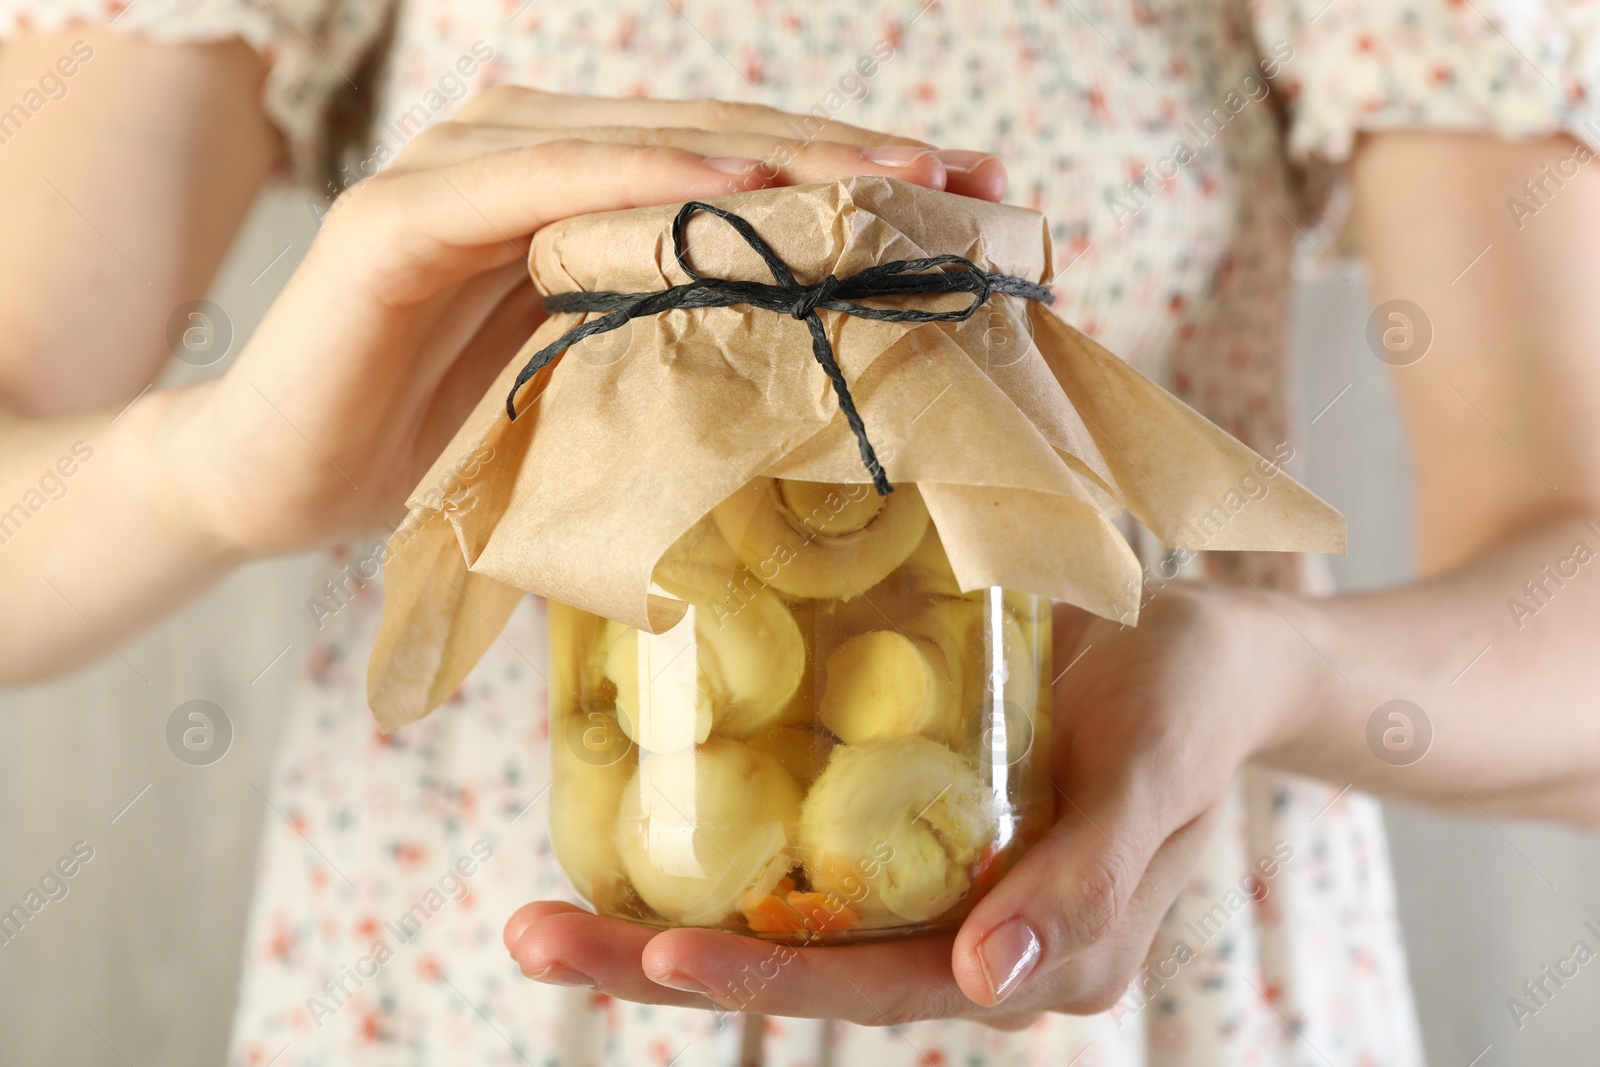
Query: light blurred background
x=138 y=964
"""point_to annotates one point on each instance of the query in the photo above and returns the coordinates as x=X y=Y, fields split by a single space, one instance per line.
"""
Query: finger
x=527 y=915
x=578 y=948
x=1066 y=894
x=782 y=161
x=511 y=105
x=1096 y=979
x=874 y=985
x=430 y=229
x=975 y=174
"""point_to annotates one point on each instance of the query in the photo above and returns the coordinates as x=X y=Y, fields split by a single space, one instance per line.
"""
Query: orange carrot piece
x=770 y=915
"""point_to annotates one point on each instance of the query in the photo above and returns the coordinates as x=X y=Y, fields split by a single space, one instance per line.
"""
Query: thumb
x=1066 y=893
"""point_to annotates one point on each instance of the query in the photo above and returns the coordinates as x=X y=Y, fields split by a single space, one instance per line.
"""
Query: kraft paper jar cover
x=1025 y=437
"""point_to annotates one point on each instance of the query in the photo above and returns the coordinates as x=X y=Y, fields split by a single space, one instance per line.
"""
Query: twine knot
x=901 y=277
x=813 y=296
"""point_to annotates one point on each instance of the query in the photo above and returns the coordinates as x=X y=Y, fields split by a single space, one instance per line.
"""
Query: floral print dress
x=1183 y=151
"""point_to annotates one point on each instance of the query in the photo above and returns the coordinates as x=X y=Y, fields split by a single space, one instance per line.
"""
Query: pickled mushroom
x=816 y=539
x=734 y=672
x=884 y=684
x=699 y=828
x=895 y=826
x=753 y=659
x=661 y=704
x=583 y=823
x=988 y=657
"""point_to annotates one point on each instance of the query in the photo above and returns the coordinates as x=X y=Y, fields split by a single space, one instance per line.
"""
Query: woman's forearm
x=1496 y=645
x=1501 y=655
x=95 y=539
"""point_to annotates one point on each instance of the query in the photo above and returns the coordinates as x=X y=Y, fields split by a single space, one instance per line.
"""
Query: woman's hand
x=415 y=294
x=1150 y=726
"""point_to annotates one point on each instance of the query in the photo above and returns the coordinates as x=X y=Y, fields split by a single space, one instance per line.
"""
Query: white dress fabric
x=1181 y=150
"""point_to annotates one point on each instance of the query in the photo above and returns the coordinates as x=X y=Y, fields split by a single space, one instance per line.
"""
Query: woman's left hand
x=1150 y=725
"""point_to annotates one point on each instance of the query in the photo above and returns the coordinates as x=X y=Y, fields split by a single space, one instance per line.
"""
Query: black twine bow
x=902 y=277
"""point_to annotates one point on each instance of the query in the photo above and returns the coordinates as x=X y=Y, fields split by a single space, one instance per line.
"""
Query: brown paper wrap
x=1025 y=437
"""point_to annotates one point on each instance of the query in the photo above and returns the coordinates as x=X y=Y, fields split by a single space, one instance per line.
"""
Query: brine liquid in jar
x=834 y=744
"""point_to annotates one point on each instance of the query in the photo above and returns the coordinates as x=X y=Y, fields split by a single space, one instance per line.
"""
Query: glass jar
x=834 y=744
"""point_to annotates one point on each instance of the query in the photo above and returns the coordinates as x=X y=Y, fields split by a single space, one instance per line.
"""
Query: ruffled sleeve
x=312 y=48
x=1512 y=68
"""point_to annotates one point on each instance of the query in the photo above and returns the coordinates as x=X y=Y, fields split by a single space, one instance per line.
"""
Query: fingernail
x=1008 y=955
x=961 y=160
x=674 y=980
x=555 y=974
x=731 y=164
x=895 y=155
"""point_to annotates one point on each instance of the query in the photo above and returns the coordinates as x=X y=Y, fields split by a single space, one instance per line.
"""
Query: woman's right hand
x=415 y=294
